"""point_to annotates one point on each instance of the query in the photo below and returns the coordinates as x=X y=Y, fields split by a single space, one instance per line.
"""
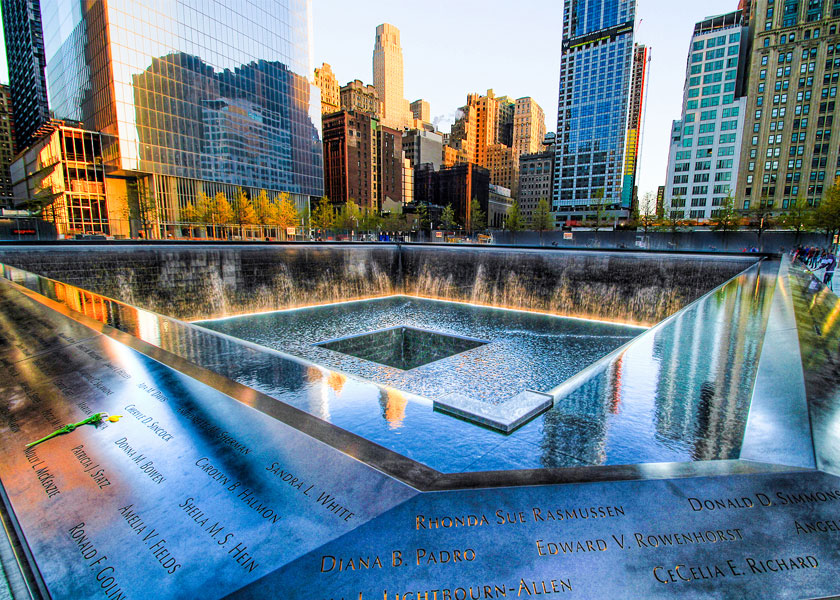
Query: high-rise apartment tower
x=703 y=161
x=26 y=60
x=596 y=66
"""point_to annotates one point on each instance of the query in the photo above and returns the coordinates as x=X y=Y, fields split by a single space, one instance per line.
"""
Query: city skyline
x=354 y=33
x=344 y=40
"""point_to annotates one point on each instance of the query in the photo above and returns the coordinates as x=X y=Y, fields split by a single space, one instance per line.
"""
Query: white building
x=706 y=141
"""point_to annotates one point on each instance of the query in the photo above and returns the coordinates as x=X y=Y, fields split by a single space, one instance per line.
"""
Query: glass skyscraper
x=192 y=96
x=596 y=66
x=25 y=58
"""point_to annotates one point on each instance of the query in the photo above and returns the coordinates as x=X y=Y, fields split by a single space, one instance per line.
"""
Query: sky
x=451 y=49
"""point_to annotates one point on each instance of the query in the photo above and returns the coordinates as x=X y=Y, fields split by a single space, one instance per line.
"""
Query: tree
x=424 y=215
x=143 y=212
x=447 y=217
x=799 y=216
x=478 y=220
x=600 y=207
x=647 y=212
x=243 y=211
x=286 y=214
x=827 y=214
x=323 y=215
x=761 y=217
x=514 y=221
x=348 y=216
x=541 y=219
x=370 y=221
x=219 y=211
x=727 y=218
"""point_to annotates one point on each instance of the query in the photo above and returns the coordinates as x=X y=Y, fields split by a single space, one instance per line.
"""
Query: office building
x=535 y=179
x=460 y=185
x=63 y=172
x=191 y=102
x=388 y=77
x=363 y=161
x=7 y=146
x=703 y=160
x=596 y=67
x=528 y=127
x=421 y=110
x=330 y=90
x=358 y=97
x=791 y=139
x=421 y=146
x=26 y=62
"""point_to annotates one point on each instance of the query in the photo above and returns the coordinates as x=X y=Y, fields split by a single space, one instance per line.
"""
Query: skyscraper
x=638 y=87
x=388 y=76
x=528 y=127
x=7 y=146
x=26 y=61
x=194 y=98
x=596 y=65
x=703 y=161
x=791 y=148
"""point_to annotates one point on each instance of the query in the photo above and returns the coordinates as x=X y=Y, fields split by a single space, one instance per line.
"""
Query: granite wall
x=208 y=281
x=202 y=282
x=641 y=288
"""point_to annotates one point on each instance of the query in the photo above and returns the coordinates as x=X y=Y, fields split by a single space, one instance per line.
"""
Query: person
x=830 y=263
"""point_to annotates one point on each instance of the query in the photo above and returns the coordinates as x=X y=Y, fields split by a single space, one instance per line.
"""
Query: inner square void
x=487 y=354
x=403 y=348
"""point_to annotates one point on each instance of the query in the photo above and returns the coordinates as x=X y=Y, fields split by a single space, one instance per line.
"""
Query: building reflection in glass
x=194 y=97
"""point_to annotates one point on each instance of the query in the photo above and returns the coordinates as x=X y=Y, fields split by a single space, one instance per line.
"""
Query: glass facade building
x=596 y=66
x=191 y=96
x=704 y=155
x=26 y=63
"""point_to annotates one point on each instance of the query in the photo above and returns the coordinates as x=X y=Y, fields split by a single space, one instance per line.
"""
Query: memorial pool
x=265 y=465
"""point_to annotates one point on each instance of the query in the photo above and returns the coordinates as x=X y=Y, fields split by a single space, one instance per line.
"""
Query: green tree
x=514 y=221
x=600 y=206
x=144 y=211
x=447 y=217
x=827 y=214
x=478 y=219
x=760 y=218
x=727 y=219
x=323 y=215
x=424 y=215
x=370 y=221
x=395 y=223
x=541 y=219
x=799 y=216
x=348 y=216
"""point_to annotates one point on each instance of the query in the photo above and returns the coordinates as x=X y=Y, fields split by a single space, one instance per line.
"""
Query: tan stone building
x=421 y=110
x=358 y=97
x=325 y=80
x=503 y=164
x=388 y=77
x=791 y=141
x=528 y=127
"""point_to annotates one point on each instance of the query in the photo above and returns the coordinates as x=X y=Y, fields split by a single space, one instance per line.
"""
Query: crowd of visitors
x=817 y=259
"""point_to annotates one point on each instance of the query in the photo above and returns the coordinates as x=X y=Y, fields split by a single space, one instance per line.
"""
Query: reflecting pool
x=524 y=350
